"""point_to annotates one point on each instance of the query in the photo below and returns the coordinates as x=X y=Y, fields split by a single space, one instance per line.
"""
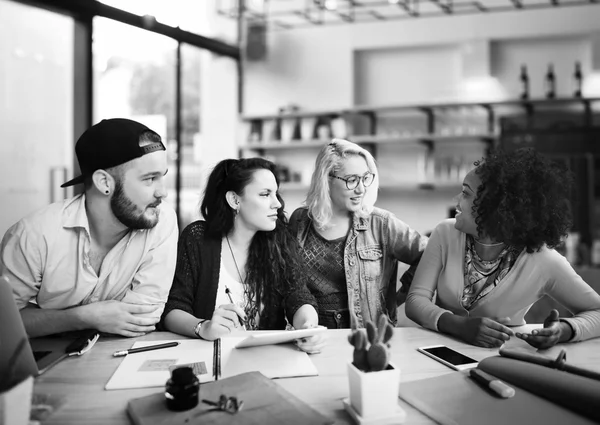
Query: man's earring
x=107 y=191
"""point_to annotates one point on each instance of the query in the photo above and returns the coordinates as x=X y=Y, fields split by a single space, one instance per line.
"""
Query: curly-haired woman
x=240 y=264
x=496 y=258
x=350 y=248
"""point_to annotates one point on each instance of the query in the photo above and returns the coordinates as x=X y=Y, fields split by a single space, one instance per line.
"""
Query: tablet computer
x=278 y=337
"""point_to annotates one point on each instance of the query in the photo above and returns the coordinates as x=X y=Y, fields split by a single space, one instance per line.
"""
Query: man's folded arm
x=152 y=282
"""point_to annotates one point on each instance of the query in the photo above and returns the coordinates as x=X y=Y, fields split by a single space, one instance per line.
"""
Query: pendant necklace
x=234 y=262
x=483 y=244
x=249 y=324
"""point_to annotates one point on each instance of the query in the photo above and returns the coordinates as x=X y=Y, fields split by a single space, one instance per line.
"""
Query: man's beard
x=128 y=213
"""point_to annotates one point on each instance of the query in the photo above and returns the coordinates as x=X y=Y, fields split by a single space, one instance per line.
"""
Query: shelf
x=401 y=186
x=279 y=145
x=412 y=139
x=293 y=186
x=431 y=106
x=423 y=137
x=424 y=186
x=374 y=126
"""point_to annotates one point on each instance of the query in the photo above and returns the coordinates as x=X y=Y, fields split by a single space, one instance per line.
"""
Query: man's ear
x=232 y=200
x=103 y=182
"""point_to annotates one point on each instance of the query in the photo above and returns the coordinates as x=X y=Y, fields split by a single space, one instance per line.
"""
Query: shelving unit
x=440 y=135
x=393 y=188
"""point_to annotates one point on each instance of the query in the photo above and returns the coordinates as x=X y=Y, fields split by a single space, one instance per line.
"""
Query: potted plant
x=374 y=381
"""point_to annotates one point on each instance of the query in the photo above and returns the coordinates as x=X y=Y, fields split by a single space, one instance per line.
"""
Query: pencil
x=146 y=348
x=228 y=292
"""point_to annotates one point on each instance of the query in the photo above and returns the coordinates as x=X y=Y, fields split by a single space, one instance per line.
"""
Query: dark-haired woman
x=496 y=258
x=238 y=267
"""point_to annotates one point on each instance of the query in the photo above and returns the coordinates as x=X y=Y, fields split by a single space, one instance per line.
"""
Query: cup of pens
x=182 y=389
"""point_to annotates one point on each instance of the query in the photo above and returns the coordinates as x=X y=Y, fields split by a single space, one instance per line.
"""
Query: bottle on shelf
x=577 y=80
x=277 y=127
x=524 y=78
x=550 y=82
x=297 y=133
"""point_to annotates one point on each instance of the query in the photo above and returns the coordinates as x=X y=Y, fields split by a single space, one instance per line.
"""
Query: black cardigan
x=196 y=282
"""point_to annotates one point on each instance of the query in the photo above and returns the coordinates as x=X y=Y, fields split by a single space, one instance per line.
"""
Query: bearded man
x=104 y=259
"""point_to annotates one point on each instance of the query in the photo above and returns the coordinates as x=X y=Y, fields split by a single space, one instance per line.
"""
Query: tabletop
x=80 y=381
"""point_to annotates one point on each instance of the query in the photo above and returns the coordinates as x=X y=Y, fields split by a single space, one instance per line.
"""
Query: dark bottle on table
x=524 y=83
x=182 y=389
x=577 y=80
x=550 y=82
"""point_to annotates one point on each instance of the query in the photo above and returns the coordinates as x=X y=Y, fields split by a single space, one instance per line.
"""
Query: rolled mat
x=574 y=392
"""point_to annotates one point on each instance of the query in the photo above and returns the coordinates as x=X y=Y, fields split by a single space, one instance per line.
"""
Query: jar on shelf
x=307 y=128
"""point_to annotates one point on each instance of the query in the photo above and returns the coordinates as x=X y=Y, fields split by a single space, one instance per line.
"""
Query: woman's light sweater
x=532 y=276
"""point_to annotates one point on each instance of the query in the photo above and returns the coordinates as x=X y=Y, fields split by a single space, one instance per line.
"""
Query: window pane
x=196 y=16
x=134 y=77
x=36 y=109
x=192 y=182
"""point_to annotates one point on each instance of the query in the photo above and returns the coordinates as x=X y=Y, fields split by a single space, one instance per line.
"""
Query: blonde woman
x=350 y=248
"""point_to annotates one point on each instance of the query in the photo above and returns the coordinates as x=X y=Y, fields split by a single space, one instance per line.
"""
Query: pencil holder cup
x=182 y=389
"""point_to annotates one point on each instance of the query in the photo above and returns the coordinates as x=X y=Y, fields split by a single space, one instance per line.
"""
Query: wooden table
x=81 y=380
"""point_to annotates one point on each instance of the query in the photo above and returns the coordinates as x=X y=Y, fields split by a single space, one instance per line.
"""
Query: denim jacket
x=374 y=246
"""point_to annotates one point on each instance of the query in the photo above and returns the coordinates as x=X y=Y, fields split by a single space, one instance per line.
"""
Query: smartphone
x=449 y=357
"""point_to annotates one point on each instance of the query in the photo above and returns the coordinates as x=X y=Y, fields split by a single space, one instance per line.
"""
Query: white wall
x=406 y=74
x=219 y=104
x=313 y=67
x=421 y=60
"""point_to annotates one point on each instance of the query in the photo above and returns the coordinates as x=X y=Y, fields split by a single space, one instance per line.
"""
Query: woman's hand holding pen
x=225 y=319
x=553 y=332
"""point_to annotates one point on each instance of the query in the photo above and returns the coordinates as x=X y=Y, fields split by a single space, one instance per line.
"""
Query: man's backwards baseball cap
x=108 y=144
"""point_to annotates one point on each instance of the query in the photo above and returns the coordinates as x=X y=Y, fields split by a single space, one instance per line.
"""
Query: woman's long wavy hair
x=329 y=161
x=272 y=256
x=523 y=199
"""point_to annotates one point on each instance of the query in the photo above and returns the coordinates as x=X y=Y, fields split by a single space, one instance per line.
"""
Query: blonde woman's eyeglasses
x=353 y=180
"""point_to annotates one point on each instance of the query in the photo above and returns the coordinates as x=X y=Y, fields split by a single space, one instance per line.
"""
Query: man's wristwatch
x=198 y=327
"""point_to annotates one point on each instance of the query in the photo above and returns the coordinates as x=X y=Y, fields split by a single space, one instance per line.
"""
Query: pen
x=217 y=358
x=228 y=292
x=491 y=382
x=147 y=348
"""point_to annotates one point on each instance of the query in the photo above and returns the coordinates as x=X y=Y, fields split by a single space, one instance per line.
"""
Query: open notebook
x=152 y=368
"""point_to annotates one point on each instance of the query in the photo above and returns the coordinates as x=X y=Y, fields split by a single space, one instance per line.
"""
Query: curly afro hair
x=523 y=199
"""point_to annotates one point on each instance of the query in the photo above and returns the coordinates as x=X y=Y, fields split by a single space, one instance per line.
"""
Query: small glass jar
x=182 y=389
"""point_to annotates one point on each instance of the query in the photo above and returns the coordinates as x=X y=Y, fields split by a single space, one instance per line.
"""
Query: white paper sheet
x=129 y=375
